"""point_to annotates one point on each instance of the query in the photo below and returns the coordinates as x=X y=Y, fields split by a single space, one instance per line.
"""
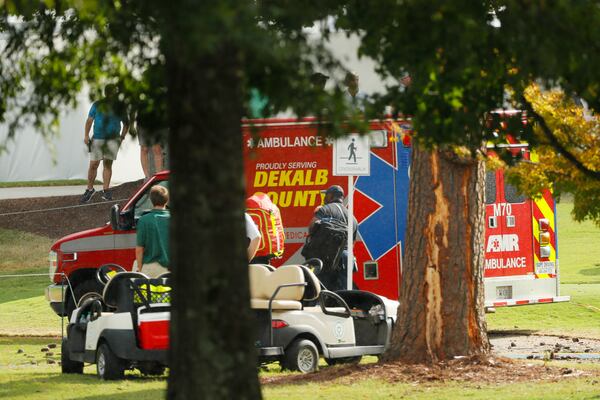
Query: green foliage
x=55 y=49
x=463 y=56
x=460 y=60
x=578 y=135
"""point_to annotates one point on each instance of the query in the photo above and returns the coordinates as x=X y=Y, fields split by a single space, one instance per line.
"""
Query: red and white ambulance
x=289 y=161
x=521 y=252
x=521 y=238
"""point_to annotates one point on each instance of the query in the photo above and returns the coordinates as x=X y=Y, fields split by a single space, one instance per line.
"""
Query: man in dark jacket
x=334 y=277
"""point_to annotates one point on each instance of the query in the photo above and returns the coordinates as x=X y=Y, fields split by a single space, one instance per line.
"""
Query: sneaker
x=87 y=196
x=106 y=195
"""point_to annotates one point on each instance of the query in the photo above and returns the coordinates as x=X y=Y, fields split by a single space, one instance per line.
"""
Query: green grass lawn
x=27 y=375
x=578 y=248
x=23 y=251
x=579 y=317
x=583 y=388
x=579 y=257
x=23 y=308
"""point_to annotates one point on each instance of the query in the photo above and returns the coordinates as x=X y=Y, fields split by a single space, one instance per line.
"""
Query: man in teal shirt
x=152 y=250
x=110 y=128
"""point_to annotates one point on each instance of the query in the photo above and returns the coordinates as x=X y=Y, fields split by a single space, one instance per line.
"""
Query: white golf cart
x=295 y=313
x=134 y=333
x=297 y=321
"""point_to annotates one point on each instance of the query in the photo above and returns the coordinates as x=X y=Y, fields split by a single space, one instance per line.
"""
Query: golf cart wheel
x=67 y=365
x=302 y=355
x=343 y=360
x=108 y=365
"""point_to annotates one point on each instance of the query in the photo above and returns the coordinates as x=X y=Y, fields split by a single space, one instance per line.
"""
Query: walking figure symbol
x=352 y=149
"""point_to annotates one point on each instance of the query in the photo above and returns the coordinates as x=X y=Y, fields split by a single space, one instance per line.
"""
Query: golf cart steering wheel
x=106 y=271
x=314 y=264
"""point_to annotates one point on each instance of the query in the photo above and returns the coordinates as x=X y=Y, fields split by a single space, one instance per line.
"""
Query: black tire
x=108 y=365
x=343 y=360
x=67 y=365
x=152 y=369
x=302 y=355
x=85 y=287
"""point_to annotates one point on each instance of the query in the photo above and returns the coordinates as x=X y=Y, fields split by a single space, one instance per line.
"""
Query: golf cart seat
x=117 y=293
x=264 y=283
x=313 y=287
x=267 y=266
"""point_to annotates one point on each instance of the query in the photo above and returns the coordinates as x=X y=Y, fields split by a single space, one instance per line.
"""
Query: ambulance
x=292 y=164
x=289 y=161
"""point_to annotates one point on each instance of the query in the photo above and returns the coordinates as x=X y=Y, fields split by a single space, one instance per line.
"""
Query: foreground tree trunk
x=212 y=353
x=441 y=312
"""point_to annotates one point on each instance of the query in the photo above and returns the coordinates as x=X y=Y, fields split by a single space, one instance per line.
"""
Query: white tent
x=33 y=157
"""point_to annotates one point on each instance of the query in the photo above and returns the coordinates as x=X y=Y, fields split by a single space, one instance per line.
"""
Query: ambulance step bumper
x=522 y=302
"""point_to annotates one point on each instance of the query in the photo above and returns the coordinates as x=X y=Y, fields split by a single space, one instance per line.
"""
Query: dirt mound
x=477 y=370
x=58 y=216
x=533 y=345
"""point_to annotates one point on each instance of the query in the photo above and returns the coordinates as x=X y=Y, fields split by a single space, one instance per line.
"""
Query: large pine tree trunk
x=212 y=354
x=441 y=311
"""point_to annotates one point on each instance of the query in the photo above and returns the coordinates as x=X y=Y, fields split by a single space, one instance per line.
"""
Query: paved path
x=42 y=191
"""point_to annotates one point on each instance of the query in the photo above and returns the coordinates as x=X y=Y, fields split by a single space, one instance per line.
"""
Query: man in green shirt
x=152 y=250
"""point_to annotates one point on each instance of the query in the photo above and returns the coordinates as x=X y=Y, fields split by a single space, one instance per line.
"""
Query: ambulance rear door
x=511 y=276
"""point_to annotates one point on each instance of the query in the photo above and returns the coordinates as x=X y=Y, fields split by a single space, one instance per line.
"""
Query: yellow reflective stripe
x=536 y=230
x=546 y=211
x=270 y=222
x=552 y=254
x=542 y=276
x=156 y=288
x=273 y=221
x=536 y=235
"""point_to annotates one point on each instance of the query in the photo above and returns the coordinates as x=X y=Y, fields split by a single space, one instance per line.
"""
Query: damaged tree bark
x=441 y=313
